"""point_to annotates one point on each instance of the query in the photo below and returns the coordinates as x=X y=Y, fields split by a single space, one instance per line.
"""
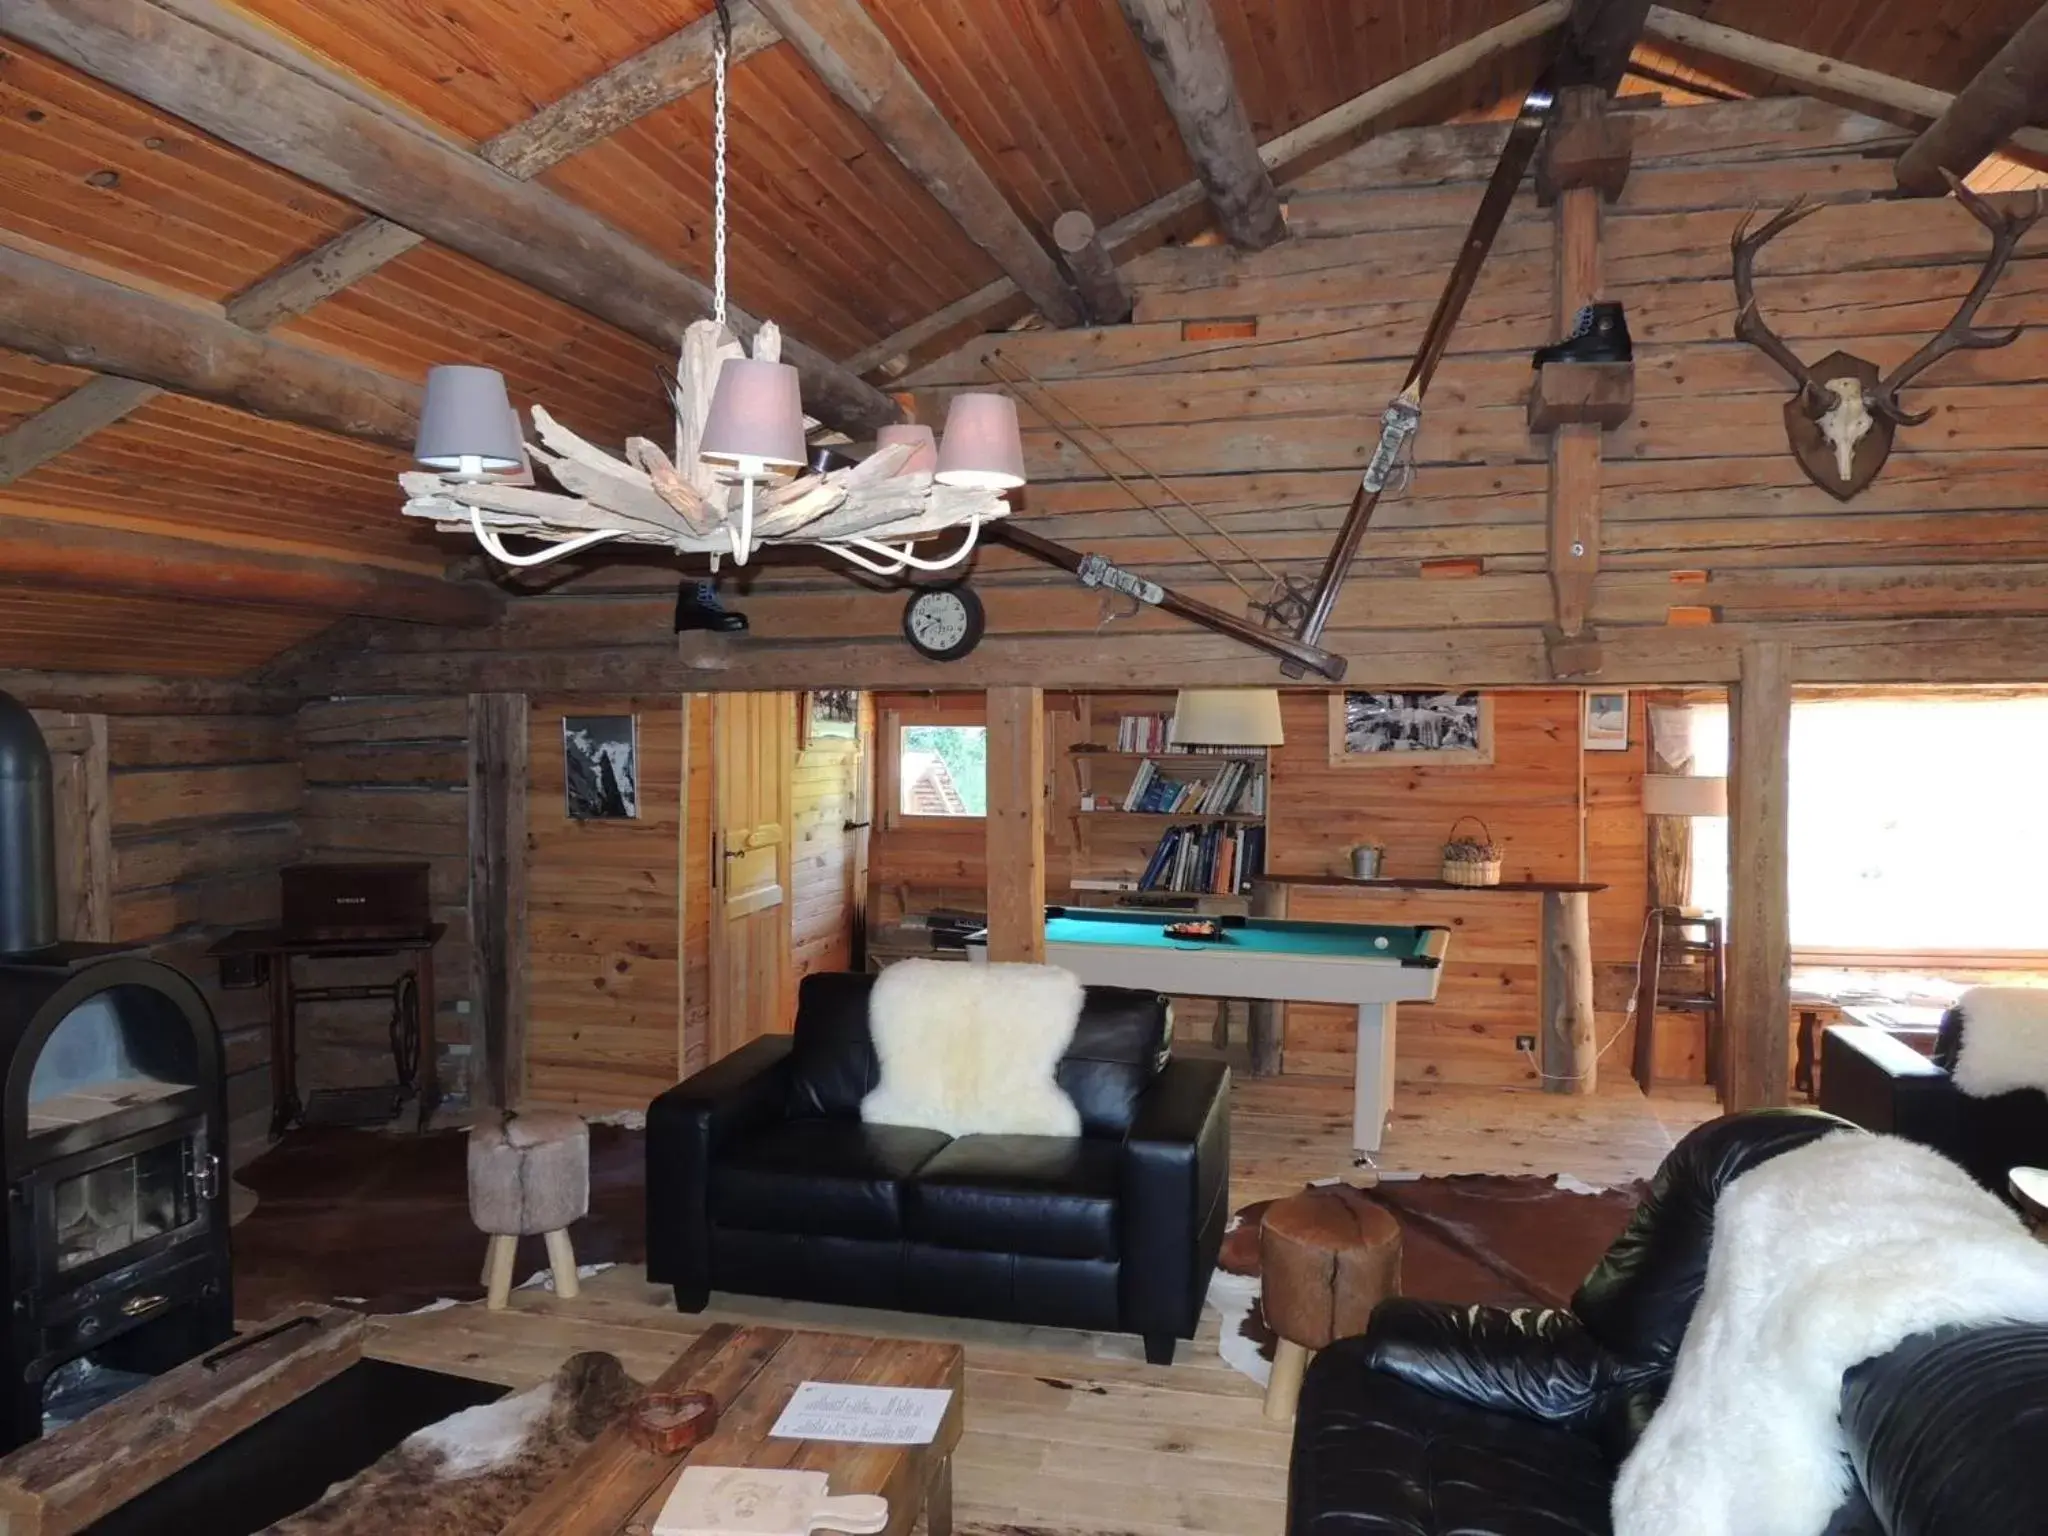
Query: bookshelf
x=1113 y=842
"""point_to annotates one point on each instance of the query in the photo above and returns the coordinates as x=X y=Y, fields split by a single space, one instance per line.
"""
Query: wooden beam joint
x=1587 y=146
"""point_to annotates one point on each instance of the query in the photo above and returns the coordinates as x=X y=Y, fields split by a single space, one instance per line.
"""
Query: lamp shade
x=924 y=448
x=982 y=447
x=757 y=413
x=1227 y=717
x=467 y=416
x=1677 y=794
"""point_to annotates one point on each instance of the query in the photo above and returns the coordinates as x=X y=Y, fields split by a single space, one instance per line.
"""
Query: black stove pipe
x=28 y=842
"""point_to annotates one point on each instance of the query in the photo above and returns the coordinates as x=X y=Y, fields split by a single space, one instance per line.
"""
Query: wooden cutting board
x=749 y=1501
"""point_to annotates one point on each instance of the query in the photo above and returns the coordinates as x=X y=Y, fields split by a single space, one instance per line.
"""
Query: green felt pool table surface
x=1394 y=943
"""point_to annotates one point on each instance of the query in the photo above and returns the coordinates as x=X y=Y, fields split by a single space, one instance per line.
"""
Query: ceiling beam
x=1345 y=123
x=1813 y=70
x=852 y=55
x=1598 y=37
x=670 y=70
x=82 y=558
x=1188 y=60
x=294 y=119
x=2007 y=94
x=71 y=318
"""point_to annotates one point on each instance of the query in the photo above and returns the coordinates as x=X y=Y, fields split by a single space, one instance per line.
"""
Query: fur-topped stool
x=1327 y=1257
x=529 y=1175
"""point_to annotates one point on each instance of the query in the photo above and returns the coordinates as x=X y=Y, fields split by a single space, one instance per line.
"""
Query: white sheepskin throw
x=971 y=1049
x=2005 y=1040
x=1822 y=1258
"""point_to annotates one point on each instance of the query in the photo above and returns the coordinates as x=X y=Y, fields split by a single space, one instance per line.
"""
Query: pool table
x=1371 y=966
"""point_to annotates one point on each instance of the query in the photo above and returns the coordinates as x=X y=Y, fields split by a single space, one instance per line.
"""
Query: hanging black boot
x=1599 y=335
x=698 y=607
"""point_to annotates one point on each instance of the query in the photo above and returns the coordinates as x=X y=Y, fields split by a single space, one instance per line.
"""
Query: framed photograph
x=1606 y=728
x=1369 y=729
x=601 y=767
x=831 y=714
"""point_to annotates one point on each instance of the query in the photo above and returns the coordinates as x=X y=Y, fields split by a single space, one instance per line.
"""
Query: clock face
x=943 y=623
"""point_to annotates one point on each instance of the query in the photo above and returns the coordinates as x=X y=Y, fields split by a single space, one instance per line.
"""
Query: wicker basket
x=1469 y=861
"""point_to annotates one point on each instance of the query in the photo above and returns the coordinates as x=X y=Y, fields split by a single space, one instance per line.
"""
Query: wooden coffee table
x=616 y=1488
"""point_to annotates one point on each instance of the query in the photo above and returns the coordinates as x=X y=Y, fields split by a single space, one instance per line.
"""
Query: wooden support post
x=1759 y=1021
x=1266 y=1031
x=2007 y=94
x=1193 y=70
x=1016 y=824
x=1568 y=1043
x=1574 y=496
x=1093 y=269
x=497 y=896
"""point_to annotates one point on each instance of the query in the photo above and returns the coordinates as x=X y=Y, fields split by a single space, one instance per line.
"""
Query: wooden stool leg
x=498 y=1271
x=1283 y=1387
x=562 y=1258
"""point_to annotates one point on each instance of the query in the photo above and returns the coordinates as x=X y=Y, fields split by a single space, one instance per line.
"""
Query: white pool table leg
x=1373 y=1082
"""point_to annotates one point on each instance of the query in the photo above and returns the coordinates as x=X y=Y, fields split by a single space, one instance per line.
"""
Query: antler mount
x=1843 y=418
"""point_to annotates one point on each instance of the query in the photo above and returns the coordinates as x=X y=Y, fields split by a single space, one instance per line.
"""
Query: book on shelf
x=1154 y=733
x=1237 y=788
x=1214 y=859
x=1104 y=883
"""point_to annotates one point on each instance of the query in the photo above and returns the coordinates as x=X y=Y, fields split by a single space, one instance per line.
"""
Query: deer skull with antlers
x=1842 y=421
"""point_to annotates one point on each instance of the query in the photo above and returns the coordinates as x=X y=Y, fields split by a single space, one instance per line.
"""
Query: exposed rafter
x=2007 y=94
x=1334 y=130
x=64 y=316
x=1599 y=36
x=293 y=118
x=1188 y=60
x=1849 y=81
x=45 y=554
x=842 y=44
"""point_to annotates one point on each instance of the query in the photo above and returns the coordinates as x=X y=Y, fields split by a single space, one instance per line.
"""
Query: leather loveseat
x=1875 y=1080
x=1482 y=1421
x=762 y=1179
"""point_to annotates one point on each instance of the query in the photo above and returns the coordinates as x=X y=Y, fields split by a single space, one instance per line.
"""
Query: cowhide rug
x=472 y=1472
x=1471 y=1239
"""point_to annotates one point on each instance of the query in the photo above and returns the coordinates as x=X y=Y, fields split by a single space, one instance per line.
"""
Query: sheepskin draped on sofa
x=972 y=1049
x=2005 y=1040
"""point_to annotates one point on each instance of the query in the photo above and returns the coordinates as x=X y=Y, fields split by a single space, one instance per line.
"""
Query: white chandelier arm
x=901 y=555
x=497 y=551
x=743 y=536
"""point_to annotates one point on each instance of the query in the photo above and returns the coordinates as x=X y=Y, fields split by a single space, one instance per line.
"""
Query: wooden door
x=860 y=822
x=753 y=746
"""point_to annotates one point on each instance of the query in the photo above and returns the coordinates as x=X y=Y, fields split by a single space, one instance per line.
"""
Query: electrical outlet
x=1525 y=1042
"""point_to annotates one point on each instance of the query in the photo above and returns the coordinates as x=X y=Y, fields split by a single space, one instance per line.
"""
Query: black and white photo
x=601 y=767
x=1391 y=727
x=831 y=714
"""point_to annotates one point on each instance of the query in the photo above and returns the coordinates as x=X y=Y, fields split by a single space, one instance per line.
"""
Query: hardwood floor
x=1072 y=1434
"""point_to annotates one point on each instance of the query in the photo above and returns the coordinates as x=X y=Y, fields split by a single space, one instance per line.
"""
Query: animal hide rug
x=972 y=1049
x=2005 y=1040
x=1823 y=1257
x=472 y=1472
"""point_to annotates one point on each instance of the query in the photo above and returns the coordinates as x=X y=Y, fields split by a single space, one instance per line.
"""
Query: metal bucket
x=1365 y=862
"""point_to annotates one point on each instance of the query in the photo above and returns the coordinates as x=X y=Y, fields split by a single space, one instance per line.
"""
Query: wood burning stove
x=113 y=1140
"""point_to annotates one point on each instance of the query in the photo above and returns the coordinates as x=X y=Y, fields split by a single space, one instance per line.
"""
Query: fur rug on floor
x=2005 y=1040
x=472 y=1472
x=1822 y=1258
x=1473 y=1239
x=972 y=1049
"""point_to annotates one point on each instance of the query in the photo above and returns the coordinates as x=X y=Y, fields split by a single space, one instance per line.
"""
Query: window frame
x=894 y=722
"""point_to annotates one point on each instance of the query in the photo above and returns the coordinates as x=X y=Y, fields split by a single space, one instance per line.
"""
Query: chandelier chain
x=721 y=50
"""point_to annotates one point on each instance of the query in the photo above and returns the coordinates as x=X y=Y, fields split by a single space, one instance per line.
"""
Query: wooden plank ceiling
x=832 y=236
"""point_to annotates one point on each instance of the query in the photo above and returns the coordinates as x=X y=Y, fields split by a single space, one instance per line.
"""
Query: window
x=942 y=770
x=1915 y=825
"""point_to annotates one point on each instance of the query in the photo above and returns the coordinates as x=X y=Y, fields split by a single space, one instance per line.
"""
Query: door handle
x=855 y=826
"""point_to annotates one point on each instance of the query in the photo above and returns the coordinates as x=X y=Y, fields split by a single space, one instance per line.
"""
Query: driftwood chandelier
x=742 y=475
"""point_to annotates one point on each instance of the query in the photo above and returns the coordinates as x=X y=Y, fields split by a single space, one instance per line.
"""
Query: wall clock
x=943 y=623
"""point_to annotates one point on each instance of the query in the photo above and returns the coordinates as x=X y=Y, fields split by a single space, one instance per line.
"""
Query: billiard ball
x=1380 y=942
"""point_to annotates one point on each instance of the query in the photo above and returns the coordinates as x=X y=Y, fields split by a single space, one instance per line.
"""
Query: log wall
x=824 y=797
x=387 y=781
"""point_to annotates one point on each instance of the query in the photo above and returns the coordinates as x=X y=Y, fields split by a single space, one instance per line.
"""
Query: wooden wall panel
x=697 y=842
x=387 y=780
x=605 y=1027
x=84 y=632
x=822 y=800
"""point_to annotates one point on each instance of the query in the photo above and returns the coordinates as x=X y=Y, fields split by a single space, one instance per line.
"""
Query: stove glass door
x=103 y=1210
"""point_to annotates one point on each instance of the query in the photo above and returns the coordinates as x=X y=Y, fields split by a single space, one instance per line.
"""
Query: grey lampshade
x=981 y=447
x=467 y=415
x=924 y=452
x=1678 y=794
x=1227 y=717
x=757 y=412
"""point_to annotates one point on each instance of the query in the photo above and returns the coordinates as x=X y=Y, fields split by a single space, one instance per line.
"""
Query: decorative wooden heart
x=749 y=1501
x=669 y=1423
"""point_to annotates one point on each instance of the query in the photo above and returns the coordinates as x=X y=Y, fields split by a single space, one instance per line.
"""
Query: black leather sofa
x=1875 y=1081
x=762 y=1179
x=1481 y=1421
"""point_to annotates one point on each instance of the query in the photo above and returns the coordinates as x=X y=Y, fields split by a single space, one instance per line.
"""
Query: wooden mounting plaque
x=1581 y=394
